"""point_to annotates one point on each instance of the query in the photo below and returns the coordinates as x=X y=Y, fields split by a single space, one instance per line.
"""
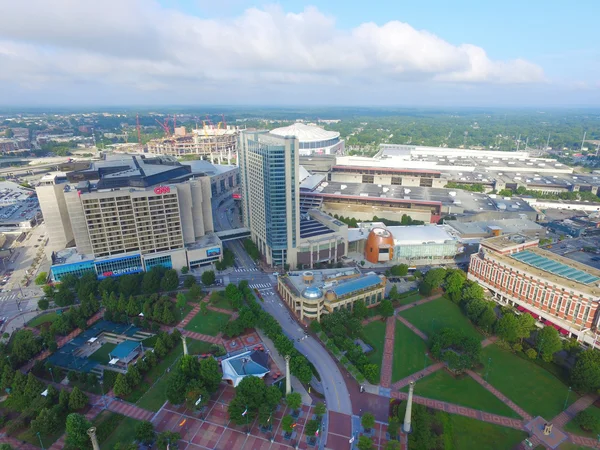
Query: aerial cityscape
x=269 y=227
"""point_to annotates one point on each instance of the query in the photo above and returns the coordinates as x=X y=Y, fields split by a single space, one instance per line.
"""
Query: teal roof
x=358 y=284
x=246 y=366
x=554 y=267
x=123 y=350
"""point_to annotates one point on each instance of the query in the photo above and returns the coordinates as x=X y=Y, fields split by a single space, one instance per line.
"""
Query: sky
x=430 y=53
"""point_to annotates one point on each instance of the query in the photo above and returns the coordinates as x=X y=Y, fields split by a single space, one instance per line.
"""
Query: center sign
x=162 y=190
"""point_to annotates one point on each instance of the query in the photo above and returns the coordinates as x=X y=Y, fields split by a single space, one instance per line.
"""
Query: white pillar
x=185 y=349
x=288 y=376
x=407 y=428
x=92 y=434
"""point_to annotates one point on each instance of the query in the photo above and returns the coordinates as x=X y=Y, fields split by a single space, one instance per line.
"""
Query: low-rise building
x=557 y=289
x=312 y=294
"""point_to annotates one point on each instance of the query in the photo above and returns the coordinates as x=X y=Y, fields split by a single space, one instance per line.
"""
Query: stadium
x=313 y=140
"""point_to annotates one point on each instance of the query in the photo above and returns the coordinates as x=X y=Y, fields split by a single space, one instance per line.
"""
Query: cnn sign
x=162 y=190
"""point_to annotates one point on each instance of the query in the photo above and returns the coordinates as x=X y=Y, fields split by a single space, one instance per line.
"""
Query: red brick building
x=555 y=290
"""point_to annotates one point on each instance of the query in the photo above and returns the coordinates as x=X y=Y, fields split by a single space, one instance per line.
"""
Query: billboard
x=213 y=252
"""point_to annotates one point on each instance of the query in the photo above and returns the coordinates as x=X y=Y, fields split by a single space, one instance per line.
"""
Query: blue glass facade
x=164 y=261
x=119 y=266
x=77 y=269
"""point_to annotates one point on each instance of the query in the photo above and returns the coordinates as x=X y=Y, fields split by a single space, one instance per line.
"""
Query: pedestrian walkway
x=254 y=269
x=489 y=341
x=415 y=376
x=368 y=320
x=195 y=310
x=529 y=443
x=20 y=445
x=261 y=286
x=203 y=337
x=520 y=411
x=59 y=444
x=451 y=408
x=221 y=310
x=129 y=410
x=413 y=328
x=576 y=407
x=388 y=352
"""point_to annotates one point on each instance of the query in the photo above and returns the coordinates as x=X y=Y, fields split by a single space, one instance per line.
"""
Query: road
x=337 y=396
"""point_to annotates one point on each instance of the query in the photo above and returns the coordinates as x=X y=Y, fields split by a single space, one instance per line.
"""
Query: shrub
x=531 y=353
x=588 y=421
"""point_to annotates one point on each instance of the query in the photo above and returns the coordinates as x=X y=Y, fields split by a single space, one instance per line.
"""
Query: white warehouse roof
x=306 y=133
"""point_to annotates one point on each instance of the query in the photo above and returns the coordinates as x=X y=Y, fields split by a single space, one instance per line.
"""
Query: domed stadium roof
x=312 y=293
x=306 y=133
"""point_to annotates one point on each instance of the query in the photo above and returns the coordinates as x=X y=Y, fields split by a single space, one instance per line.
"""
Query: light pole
x=40 y=438
x=567 y=399
x=487 y=370
x=52 y=373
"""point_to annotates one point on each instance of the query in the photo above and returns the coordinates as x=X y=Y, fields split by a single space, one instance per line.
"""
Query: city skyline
x=295 y=53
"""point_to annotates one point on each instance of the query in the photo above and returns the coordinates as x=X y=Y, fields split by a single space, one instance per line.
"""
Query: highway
x=337 y=397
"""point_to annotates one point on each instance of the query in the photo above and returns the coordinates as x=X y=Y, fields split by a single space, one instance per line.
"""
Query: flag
x=245 y=412
x=351 y=440
x=182 y=423
x=294 y=425
x=317 y=433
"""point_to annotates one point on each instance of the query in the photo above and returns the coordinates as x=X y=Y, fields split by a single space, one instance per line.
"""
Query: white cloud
x=138 y=43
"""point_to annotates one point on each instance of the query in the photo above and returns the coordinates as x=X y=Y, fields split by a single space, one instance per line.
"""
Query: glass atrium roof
x=554 y=267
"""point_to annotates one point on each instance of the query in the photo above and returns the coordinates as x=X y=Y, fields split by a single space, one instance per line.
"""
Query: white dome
x=306 y=133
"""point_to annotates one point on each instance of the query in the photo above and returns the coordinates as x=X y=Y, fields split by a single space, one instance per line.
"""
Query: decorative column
x=185 y=349
x=288 y=376
x=92 y=434
x=407 y=428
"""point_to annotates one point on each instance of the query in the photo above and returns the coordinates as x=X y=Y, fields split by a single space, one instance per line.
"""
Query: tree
x=386 y=308
x=184 y=270
x=181 y=300
x=151 y=281
x=189 y=281
x=133 y=306
x=43 y=303
x=6 y=447
x=203 y=308
x=293 y=401
x=195 y=292
x=472 y=291
x=77 y=400
x=176 y=388
x=367 y=421
x=425 y=288
x=392 y=445
x=548 y=342
x=365 y=443
x=399 y=270
x=46 y=422
x=320 y=409
x=121 y=387
x=167 y=315
x=41 y=278
x=360 y=310
x=455 y=280
x=371 y=372
x=531 y=353
x=209 y=374
x=435 y=277
x=64 y=296
x=393 y=426
x=122 y=446
x=287 y=424
x=77 y=437
x=170 y=280
x=588 y=421
x=311 y=428
x=208 y=278
x=25 y=345
x=144 y=432
x=585 y=375
x=168 y=438
x=134 y=377
x=526 y=324
x=508 y=328
x=63 y=400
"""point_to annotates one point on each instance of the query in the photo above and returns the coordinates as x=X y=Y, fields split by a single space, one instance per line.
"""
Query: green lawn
x=407 y=298
x=153 y=397
x=375 y=336
x=470 y=433
x=409 y=353
x=209 y=324
x=463 y=391
x=180 y=314
x=438 y=314
x=43 y=318
x=530 y=386
x=218 y=300
x=572 y=427
x=123 y=432
x=101 y=355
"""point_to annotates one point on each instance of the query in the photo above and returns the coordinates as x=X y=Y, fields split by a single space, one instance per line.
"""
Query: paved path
x=500 y=396
x=129 y=410
x=413 y=328
x=388 y=352
x=533 y=439
x=415 y=376
x=203 y=337
x=195 y=310
x=463 y=411
x=581 y=404
x=489 y=341
x=369 y=320
x=419 y=302
x=59 y=444
x=16 y=444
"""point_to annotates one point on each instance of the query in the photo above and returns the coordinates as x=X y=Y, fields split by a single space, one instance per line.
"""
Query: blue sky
x=430 y=53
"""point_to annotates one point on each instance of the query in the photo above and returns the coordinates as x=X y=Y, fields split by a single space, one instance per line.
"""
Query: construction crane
x=139 y=133
x=164 y=126
x=174 y=122
x=224 y=121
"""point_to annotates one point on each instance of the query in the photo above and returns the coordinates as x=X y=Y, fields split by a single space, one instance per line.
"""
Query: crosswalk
x=260 y=286
x=8 y=297
x=248 y=270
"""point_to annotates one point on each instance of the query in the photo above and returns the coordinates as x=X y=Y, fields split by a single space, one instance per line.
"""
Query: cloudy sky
x=326 y=52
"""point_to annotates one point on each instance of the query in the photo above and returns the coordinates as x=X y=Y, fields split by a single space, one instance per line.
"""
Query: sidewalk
x=296 y=385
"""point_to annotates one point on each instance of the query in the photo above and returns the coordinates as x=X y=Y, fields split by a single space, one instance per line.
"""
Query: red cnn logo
x=162 y=190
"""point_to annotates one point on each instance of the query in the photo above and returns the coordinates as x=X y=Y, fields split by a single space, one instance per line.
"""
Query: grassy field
x=122 y=433
x=409 y=353
x=29 y=435
x=154 y=397
x=467 y=433
x=218 y=300
x=181 y=313
x=43 y=318
x=209 y=324
x=572 y=427
x=463 y=391
x=438 y=314
x=407 y=298
x=530 y=386
x=375 y=334
x=101 y=355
